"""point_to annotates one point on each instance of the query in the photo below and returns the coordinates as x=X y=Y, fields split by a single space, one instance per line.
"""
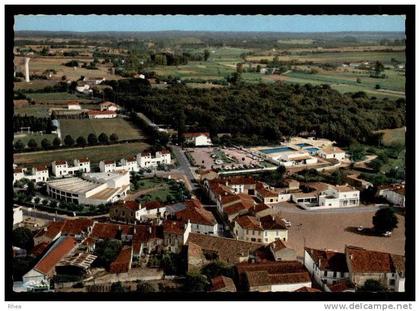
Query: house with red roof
x=123 y=261
x=125 y=212
x=175 y=234
x=264 y=230
x=202 y=221
x=39 y=277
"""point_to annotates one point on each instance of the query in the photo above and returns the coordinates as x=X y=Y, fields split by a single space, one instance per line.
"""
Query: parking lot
x=335 y=230
x=231 y=158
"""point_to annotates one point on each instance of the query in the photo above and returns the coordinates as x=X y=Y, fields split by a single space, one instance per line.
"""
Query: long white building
x=36 y=174
x=61 y=168
x=91 y=188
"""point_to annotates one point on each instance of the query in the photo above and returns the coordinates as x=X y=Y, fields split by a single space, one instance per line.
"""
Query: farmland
x=393 y=136
x=124 y=129
x=95 y=154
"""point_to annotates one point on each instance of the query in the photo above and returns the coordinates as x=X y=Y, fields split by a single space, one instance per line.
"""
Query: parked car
x=360 y=228
x=387 y=234
x=286 y=222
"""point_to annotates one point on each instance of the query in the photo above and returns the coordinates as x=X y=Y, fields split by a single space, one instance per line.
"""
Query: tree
x=206 y=54
x=92 y=139
x=371 y=285
x=103 y=138
x=32 y=144
x=378 y=86
x=107 y=251
x=30 y=191
x=378 y=67
x=384 y=220
x=81 y=141
x=145 y=288
x=56 y=142
x=19 y=145
x=45 y=143
x=69 y=141
x=196 y=282
x=113 y=138
x=22 y=237
x=217 y=268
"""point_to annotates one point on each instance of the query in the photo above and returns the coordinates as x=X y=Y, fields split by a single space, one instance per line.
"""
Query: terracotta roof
x=107 y=162
x=132 y=205
x=152 y=205
x=123 y=261
x=51 y=230
x=57 y=252
x=367 y=261
x=318 y=186
x=226 y=199
x=340 y=286
x=196 y=134
x=108 y=231
x=345 y=188
x=249 y=222
x=260 y=207
x=240 y=180
x=60 y=162
x=98 y=112
x=131 y=159
x=76 y=226
x=196 y=213
x=275 y=267
x=174 y=227
x=84 y=160
x=222 y=282
x=328 y=260
x=272 y=223
x=41 y=168
x=164 y=151
x=18 y=170
x=39 y=249
x=228 y=250
x=234 y=208
x=266 y=193
x=306 y=289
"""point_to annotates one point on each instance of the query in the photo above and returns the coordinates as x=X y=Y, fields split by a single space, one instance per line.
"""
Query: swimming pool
x=276 y=150
x=312 y=150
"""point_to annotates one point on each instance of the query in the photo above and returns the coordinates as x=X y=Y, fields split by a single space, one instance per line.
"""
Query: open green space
x=43 y=97
x=167 y=191
x=24 y=138
x=83 y=127
x=33 y=110
x=95 y=154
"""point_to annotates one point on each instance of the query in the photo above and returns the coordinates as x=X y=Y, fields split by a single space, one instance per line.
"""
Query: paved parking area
x=335 y=230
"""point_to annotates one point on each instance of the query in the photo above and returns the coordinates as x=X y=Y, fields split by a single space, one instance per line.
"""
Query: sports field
x=124 y=129
x=95 y=154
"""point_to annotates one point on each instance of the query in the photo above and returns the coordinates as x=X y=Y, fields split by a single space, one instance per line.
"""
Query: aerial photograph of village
x=168 y=154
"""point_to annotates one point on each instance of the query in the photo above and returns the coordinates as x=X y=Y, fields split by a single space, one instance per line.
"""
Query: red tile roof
x=240 y=180
x=60 y=162
x=108 y=231
x=40 y=248
x=249 y=222
x=234 y=208
x=222 y=282
x=265 y=193
x=51 y=230
x=132 y=205
x=196 y=213
x=107 y=162
x=84 y=160
x=173 y=226
x=272 y=223
x=123 y=261
x=57 y=252
x=76 y=226
x=328 y=260
x=41 y=168
x=306 y=289
x=366 y=261
x=152 y=205
x=277 y=245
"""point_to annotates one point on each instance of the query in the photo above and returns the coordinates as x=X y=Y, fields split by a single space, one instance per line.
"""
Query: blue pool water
x=303 y=145
x=276 y=150
x=312 y=150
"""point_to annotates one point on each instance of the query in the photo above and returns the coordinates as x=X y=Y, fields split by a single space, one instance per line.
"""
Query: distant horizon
x=210 y=31
x=211 y=23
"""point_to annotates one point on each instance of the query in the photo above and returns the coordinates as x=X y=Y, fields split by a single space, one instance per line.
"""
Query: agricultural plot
x=95 y=154
x=41 y=111
x=46 y=97
x=124 y=129
x=393 y=136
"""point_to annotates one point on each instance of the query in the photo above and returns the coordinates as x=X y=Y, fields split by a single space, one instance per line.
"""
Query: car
x=286 y=222
x=387 y=234
x=360 y=228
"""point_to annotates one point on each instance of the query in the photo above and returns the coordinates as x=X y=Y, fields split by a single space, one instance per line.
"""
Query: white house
x=106 y=166
x=37 y=173
x=83 y=88
x=146 y=160
x=326 y=266
x=202 y=221
x=198 y=139
x=130 y=164
x=61 y=168
x=82 y=164
x=266 y=230
x=108 y=106
x=74 y=106
x=331 y=152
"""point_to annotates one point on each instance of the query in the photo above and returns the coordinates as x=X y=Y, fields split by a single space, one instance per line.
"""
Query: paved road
x=184 y=165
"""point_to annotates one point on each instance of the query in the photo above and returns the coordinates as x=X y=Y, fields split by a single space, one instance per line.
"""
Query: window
x=392 y=282
x=325 y=273
x=335 y=274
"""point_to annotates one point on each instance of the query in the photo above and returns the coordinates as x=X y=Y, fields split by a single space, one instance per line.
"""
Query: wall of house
x=289 y=287
x=394 y=197
x=270 y=236
x=204 y=229
x=285 y=254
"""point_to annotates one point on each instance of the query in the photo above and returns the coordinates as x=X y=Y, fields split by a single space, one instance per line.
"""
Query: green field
x=95 y=154
x=393 y=136
x=392 y=86
x=40 y=111
x=75 y=128
x=43 y=97
x=37 y=137
x=160 y=194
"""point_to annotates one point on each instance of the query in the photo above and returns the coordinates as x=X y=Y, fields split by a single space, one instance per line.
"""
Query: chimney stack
x=27 y=59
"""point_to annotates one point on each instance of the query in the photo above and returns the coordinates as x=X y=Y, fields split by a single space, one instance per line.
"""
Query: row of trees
x=69 y=141
x=36 y=124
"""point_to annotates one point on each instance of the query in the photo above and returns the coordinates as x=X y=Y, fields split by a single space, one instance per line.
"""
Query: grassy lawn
x=33 y=110
x=38 y=138
x=393 y=136
x=95 y=154
x=124 y=129
x=43 y=97
x=160 y=194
